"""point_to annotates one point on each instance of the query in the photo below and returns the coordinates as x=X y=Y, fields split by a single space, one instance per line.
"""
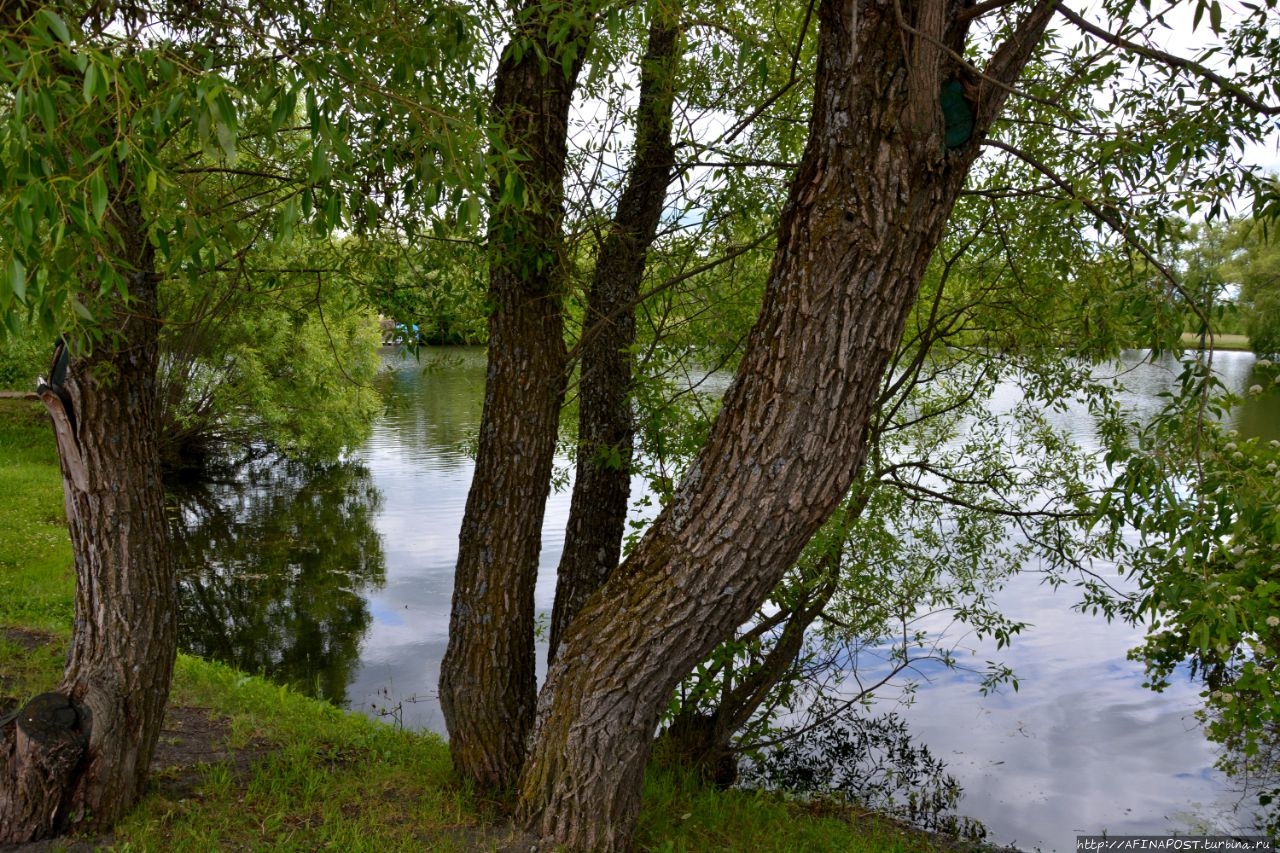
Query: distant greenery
x=1236 y=264
x=23 y=356
x=1257 y=267
x=278 y=356
x=272 y=360
x=438 y=286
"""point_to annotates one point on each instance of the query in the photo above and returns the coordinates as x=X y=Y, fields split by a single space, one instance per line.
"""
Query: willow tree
x=606 y=430
x=867 y=207
x=487 y=675
x=901 y=107
x=80 y=754
x=126 y=163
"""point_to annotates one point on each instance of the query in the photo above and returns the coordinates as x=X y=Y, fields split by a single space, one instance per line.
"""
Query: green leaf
x=18 y=278
x=82 y=312
x=226 y=123
x=98 y=195
x=56 y=25
x=46 y=111
x=90 y=82
x=319 y=164
x=285 y=108
x=226 y=139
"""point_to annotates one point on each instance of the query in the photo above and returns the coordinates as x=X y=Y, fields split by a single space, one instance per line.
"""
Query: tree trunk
x=111 y=700
x=701 y=734
x=487 y=677
x=867 y=208
x=702 y=739
x=602 y=484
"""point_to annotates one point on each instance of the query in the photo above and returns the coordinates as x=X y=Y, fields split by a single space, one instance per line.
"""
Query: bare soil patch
x=190 y=740
x=27 y=638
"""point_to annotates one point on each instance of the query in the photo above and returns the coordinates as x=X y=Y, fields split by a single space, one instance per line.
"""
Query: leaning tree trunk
x=867 y=208
x=487 y=677
x=79 y=757
x=602 y=484
x=701 y=738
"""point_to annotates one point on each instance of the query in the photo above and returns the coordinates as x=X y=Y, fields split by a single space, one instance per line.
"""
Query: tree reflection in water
x=272 y=569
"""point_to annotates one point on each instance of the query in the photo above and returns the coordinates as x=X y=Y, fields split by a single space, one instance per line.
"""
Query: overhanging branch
x=1227 y=86
x=1110 y=219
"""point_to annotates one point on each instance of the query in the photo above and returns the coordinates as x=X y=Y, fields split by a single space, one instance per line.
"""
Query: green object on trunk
x=957 y=114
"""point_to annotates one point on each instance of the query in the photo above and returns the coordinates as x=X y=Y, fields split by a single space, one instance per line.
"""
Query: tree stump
x=41 y=749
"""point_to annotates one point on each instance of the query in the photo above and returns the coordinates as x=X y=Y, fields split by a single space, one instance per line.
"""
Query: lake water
x=340 y=582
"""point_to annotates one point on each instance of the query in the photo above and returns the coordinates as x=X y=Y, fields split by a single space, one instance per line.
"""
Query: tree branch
x=1110 y=219
x=1227 y=86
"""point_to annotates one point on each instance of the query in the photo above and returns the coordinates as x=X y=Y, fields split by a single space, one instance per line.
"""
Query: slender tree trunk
x=867 y=208
x=79 y=757
x=602 y=485
x=487 y=686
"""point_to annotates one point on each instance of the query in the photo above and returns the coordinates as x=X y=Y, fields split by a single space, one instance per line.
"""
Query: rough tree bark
x=602 y=483
x=487 y=677
x=866 y=210
x=79 y=757
x=701 y=738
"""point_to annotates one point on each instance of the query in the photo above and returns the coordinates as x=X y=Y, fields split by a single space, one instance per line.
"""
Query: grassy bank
x=1231 y=343
x=246 y=765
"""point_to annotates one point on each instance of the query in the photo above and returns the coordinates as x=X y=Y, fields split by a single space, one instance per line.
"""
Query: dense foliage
x=1193 y=519
x=283 y=171
x=280 y=357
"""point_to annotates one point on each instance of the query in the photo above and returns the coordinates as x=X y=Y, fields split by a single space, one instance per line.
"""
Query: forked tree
x=867 y=207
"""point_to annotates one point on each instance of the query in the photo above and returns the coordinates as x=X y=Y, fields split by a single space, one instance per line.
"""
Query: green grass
x=680 y=815
x=35 y=554
x=289 y=773
x=319 y=778
x=1234 y=343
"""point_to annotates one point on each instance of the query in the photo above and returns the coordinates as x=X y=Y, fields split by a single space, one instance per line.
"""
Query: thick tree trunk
x=111 y=700
x=487 y=677
x=701 y=735
x=602 y=484
x=701 y=739
x=868 y=207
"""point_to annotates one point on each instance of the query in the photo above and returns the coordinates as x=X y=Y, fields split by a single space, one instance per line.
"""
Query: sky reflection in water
x=1081 y=748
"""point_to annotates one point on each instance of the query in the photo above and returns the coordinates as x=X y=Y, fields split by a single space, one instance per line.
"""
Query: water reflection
x=1259 y=414
x=433 y=404
x=274 y=571
x=319 y=581
x=420 y=456
x=1082 y=747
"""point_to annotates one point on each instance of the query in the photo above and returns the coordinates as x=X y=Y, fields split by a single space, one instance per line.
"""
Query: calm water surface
x=340 y=580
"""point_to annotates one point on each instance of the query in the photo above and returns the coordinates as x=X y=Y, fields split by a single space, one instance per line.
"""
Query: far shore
x=1231 y=343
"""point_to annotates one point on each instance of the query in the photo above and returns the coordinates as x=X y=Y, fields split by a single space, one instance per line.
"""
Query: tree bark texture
x=606 y=431
x=44 y=749
x=867 y=208
x=701 y=739
x=487 y=677
x=113 y=691
x=701 y=734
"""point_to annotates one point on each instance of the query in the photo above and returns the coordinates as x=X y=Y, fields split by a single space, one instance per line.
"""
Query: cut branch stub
x=49 y=740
